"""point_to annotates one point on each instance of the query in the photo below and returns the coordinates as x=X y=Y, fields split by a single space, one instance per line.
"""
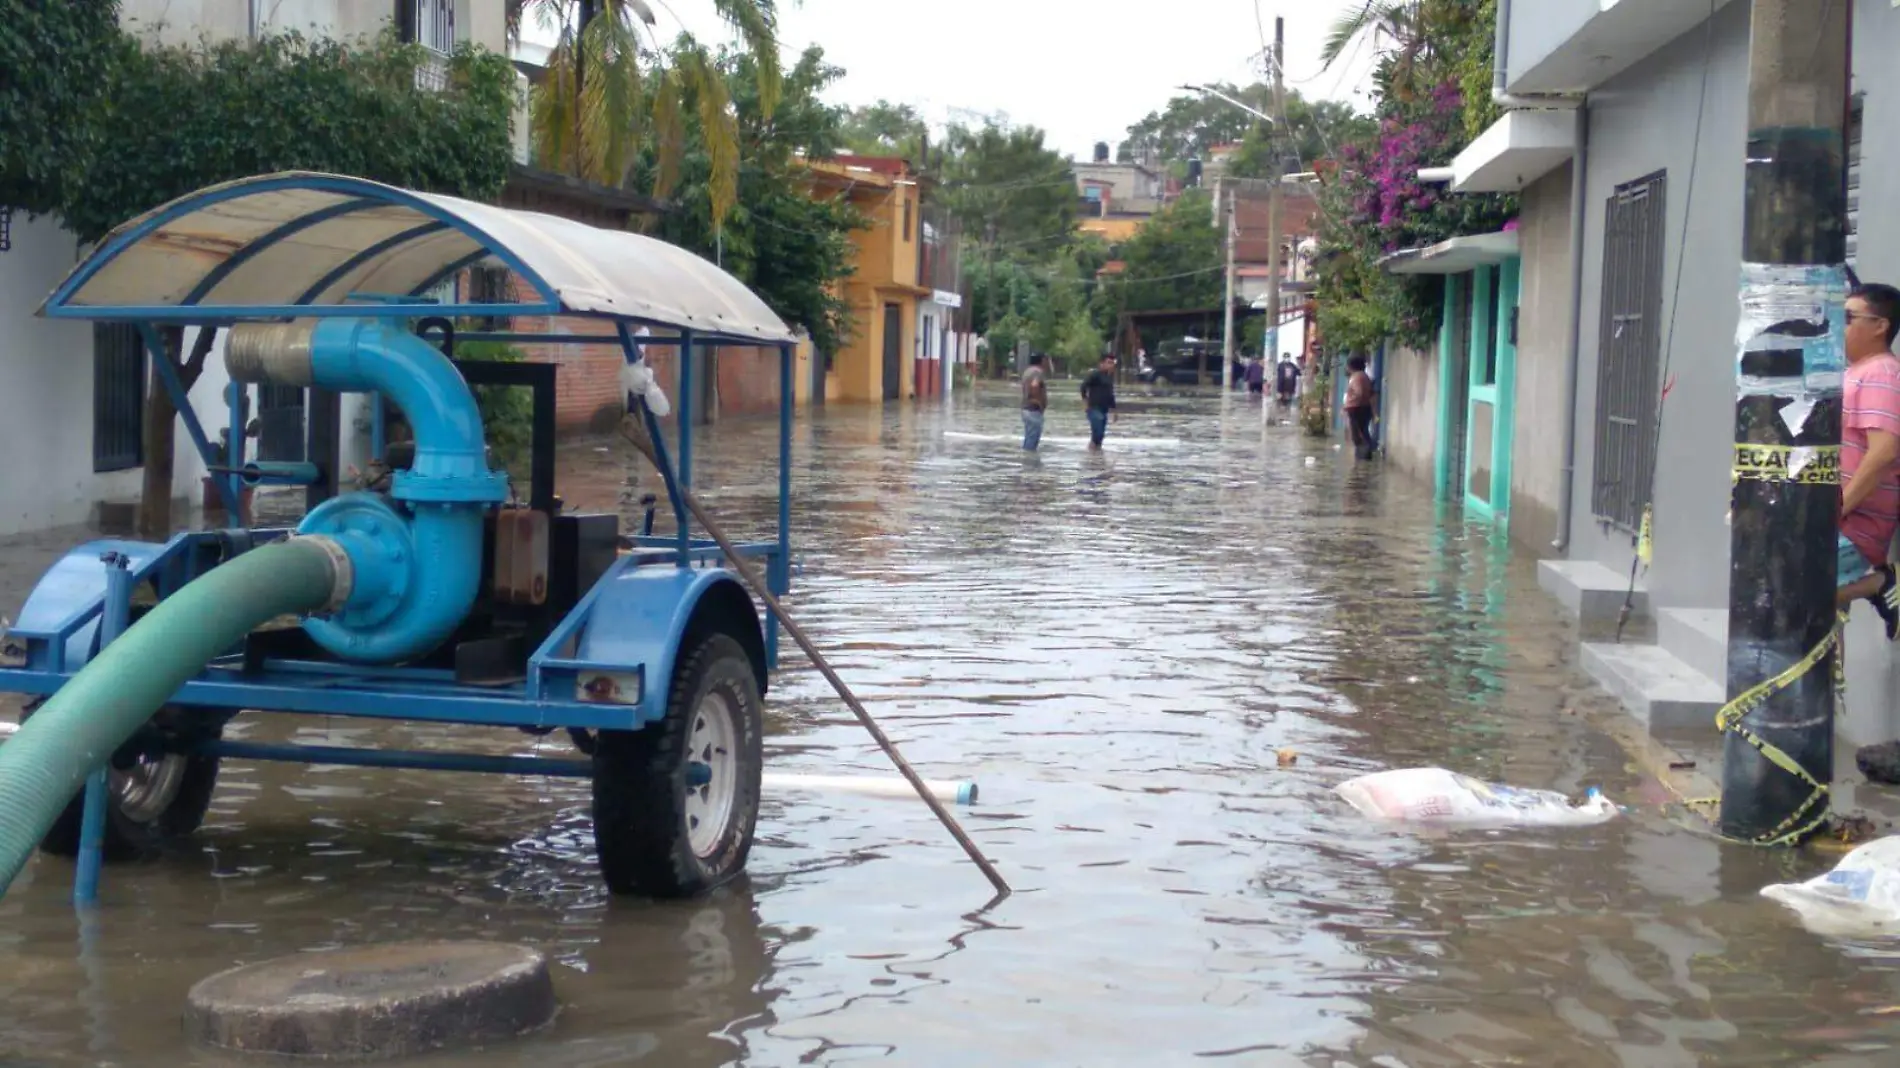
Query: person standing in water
x=1285 y=378
x=1359 y=398
x=1035 y=400
x=1098 y=397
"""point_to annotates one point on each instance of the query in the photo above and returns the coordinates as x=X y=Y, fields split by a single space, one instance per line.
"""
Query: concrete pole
x=1227 y=306
x=1785 y=498
x=1270 y=337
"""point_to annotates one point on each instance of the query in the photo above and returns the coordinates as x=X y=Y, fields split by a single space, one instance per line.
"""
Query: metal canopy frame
x=549 y=259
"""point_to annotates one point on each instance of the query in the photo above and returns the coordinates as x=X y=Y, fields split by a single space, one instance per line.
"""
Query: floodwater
x=1116 y=647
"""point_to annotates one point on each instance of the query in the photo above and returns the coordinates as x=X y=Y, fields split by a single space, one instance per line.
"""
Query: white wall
x=46 y=376
x=187 y=21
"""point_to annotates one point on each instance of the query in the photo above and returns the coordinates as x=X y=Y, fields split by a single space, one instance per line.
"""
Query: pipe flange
x=344 y=582
x=489 y=487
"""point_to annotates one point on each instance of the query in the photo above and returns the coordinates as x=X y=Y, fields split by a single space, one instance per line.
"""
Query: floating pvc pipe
x=962 y=793
x=1152 y=443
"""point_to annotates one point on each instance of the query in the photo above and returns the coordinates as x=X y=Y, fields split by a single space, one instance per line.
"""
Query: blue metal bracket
x=181 y=400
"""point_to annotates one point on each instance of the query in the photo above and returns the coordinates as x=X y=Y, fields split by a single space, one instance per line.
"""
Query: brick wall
x=748 y=380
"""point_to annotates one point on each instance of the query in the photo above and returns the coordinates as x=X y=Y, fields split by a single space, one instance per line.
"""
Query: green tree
x=886 y=129
x=790 y=247
x=180 y=119
x=1314 y=128
x=1192 y=125
x=1174 y=261
x=1010 y=189
x=596 y=103
x=55 y=56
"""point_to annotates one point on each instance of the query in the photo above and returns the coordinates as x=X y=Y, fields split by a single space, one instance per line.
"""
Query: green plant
x=507 y=411
x=56 y=55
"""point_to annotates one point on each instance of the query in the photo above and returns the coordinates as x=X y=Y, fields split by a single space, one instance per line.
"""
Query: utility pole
x=1787 y=424
x=1222 y=186
x=1270 y=337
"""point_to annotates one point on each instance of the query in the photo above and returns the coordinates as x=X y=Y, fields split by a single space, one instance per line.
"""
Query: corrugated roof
x=292 y=242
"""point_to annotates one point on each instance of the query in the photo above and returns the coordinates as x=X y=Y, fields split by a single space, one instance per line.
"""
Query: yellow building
x=1114 y=229
x=878 y=361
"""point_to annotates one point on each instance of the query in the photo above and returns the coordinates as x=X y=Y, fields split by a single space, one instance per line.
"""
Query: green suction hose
x=44 y=765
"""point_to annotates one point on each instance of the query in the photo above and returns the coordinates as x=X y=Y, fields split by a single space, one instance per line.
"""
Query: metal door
x=893 y=352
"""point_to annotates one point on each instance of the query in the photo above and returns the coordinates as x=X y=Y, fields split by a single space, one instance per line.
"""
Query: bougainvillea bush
x=1375 y=205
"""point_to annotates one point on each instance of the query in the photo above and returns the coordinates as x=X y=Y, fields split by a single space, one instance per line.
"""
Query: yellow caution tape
x=1643 y=543
x=1812 y=465
x=1729 y=719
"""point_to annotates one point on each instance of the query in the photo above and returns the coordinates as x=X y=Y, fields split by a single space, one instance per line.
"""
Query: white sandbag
x=1434 y=795
x=1860 y=897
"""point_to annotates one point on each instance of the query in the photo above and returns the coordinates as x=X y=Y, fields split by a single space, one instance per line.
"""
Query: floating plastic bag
x=1861 y=896
x=1434 y=795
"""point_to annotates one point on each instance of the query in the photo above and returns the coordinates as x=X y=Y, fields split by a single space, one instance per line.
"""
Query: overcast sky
x=1082 y=71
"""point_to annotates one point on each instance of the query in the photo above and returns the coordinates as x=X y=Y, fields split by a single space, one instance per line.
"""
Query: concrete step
x=1696 y=636
x=1590 y=590
x=1659 y=690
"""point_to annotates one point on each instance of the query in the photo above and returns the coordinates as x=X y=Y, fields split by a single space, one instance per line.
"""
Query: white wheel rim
x=713 y=743
x=146 y=789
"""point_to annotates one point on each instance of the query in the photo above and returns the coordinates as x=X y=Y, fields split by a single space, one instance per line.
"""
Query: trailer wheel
x=676 y=804
x=155 y=797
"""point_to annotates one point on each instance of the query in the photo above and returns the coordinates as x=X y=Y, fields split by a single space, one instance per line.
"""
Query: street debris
x=1434 y=795
x=1860 y=897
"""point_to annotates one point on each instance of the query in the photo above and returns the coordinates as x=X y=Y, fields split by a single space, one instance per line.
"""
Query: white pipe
x=1159 y=443
x=1500 y=73
x=1436 y=174
x=961 y=793
x=1573 y=344
x=8 y=728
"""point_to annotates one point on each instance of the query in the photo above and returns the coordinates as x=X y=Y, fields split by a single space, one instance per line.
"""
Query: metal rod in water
x=759 y=588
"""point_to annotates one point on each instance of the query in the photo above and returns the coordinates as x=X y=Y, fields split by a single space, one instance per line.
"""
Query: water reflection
x=1118 y=646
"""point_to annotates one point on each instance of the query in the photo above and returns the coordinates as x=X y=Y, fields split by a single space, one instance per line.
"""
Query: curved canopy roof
x=302 y=244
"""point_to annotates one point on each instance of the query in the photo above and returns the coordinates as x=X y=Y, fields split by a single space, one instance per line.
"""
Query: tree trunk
x=161 y=428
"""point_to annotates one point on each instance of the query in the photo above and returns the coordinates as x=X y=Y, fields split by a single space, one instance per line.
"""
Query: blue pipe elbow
x=414 y=559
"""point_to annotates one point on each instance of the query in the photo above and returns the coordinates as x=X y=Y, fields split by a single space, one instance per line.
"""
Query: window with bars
x=431 y=24
x=118 y=397
x=1629 y=350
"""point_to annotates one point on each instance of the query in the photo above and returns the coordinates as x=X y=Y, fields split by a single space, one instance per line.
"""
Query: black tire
x=646 y=814
x=178 y=792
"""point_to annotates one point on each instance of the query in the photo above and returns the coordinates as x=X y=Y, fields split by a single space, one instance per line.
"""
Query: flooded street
x=1115 y=647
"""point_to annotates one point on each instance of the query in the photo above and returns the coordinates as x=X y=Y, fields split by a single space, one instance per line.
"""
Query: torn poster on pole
x=1788 y=341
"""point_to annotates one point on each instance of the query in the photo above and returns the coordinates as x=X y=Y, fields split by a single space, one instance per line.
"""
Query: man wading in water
x=1359 y=389
x=1098 y=396
x=1870 y=448
x=1035 y=399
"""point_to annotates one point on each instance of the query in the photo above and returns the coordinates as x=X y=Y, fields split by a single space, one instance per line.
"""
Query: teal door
x=1478 y=387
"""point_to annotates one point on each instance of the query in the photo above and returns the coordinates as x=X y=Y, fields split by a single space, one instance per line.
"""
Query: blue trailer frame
x=625 y=630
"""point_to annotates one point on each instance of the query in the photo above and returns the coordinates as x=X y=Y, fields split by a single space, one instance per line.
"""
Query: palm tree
x=597 y=102
x=1395 y=19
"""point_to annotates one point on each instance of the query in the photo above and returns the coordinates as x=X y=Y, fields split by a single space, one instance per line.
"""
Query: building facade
x=1585 y=378
x=53 y=373
x=879 y=361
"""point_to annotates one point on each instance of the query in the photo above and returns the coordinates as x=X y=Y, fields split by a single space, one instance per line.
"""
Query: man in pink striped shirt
x=1870 y=448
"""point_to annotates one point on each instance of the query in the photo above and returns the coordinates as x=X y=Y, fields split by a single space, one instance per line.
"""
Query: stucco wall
x=186 y=21
x=1642 y=122
x=1543 y=336
x=46 y=380
x=1409 y=421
